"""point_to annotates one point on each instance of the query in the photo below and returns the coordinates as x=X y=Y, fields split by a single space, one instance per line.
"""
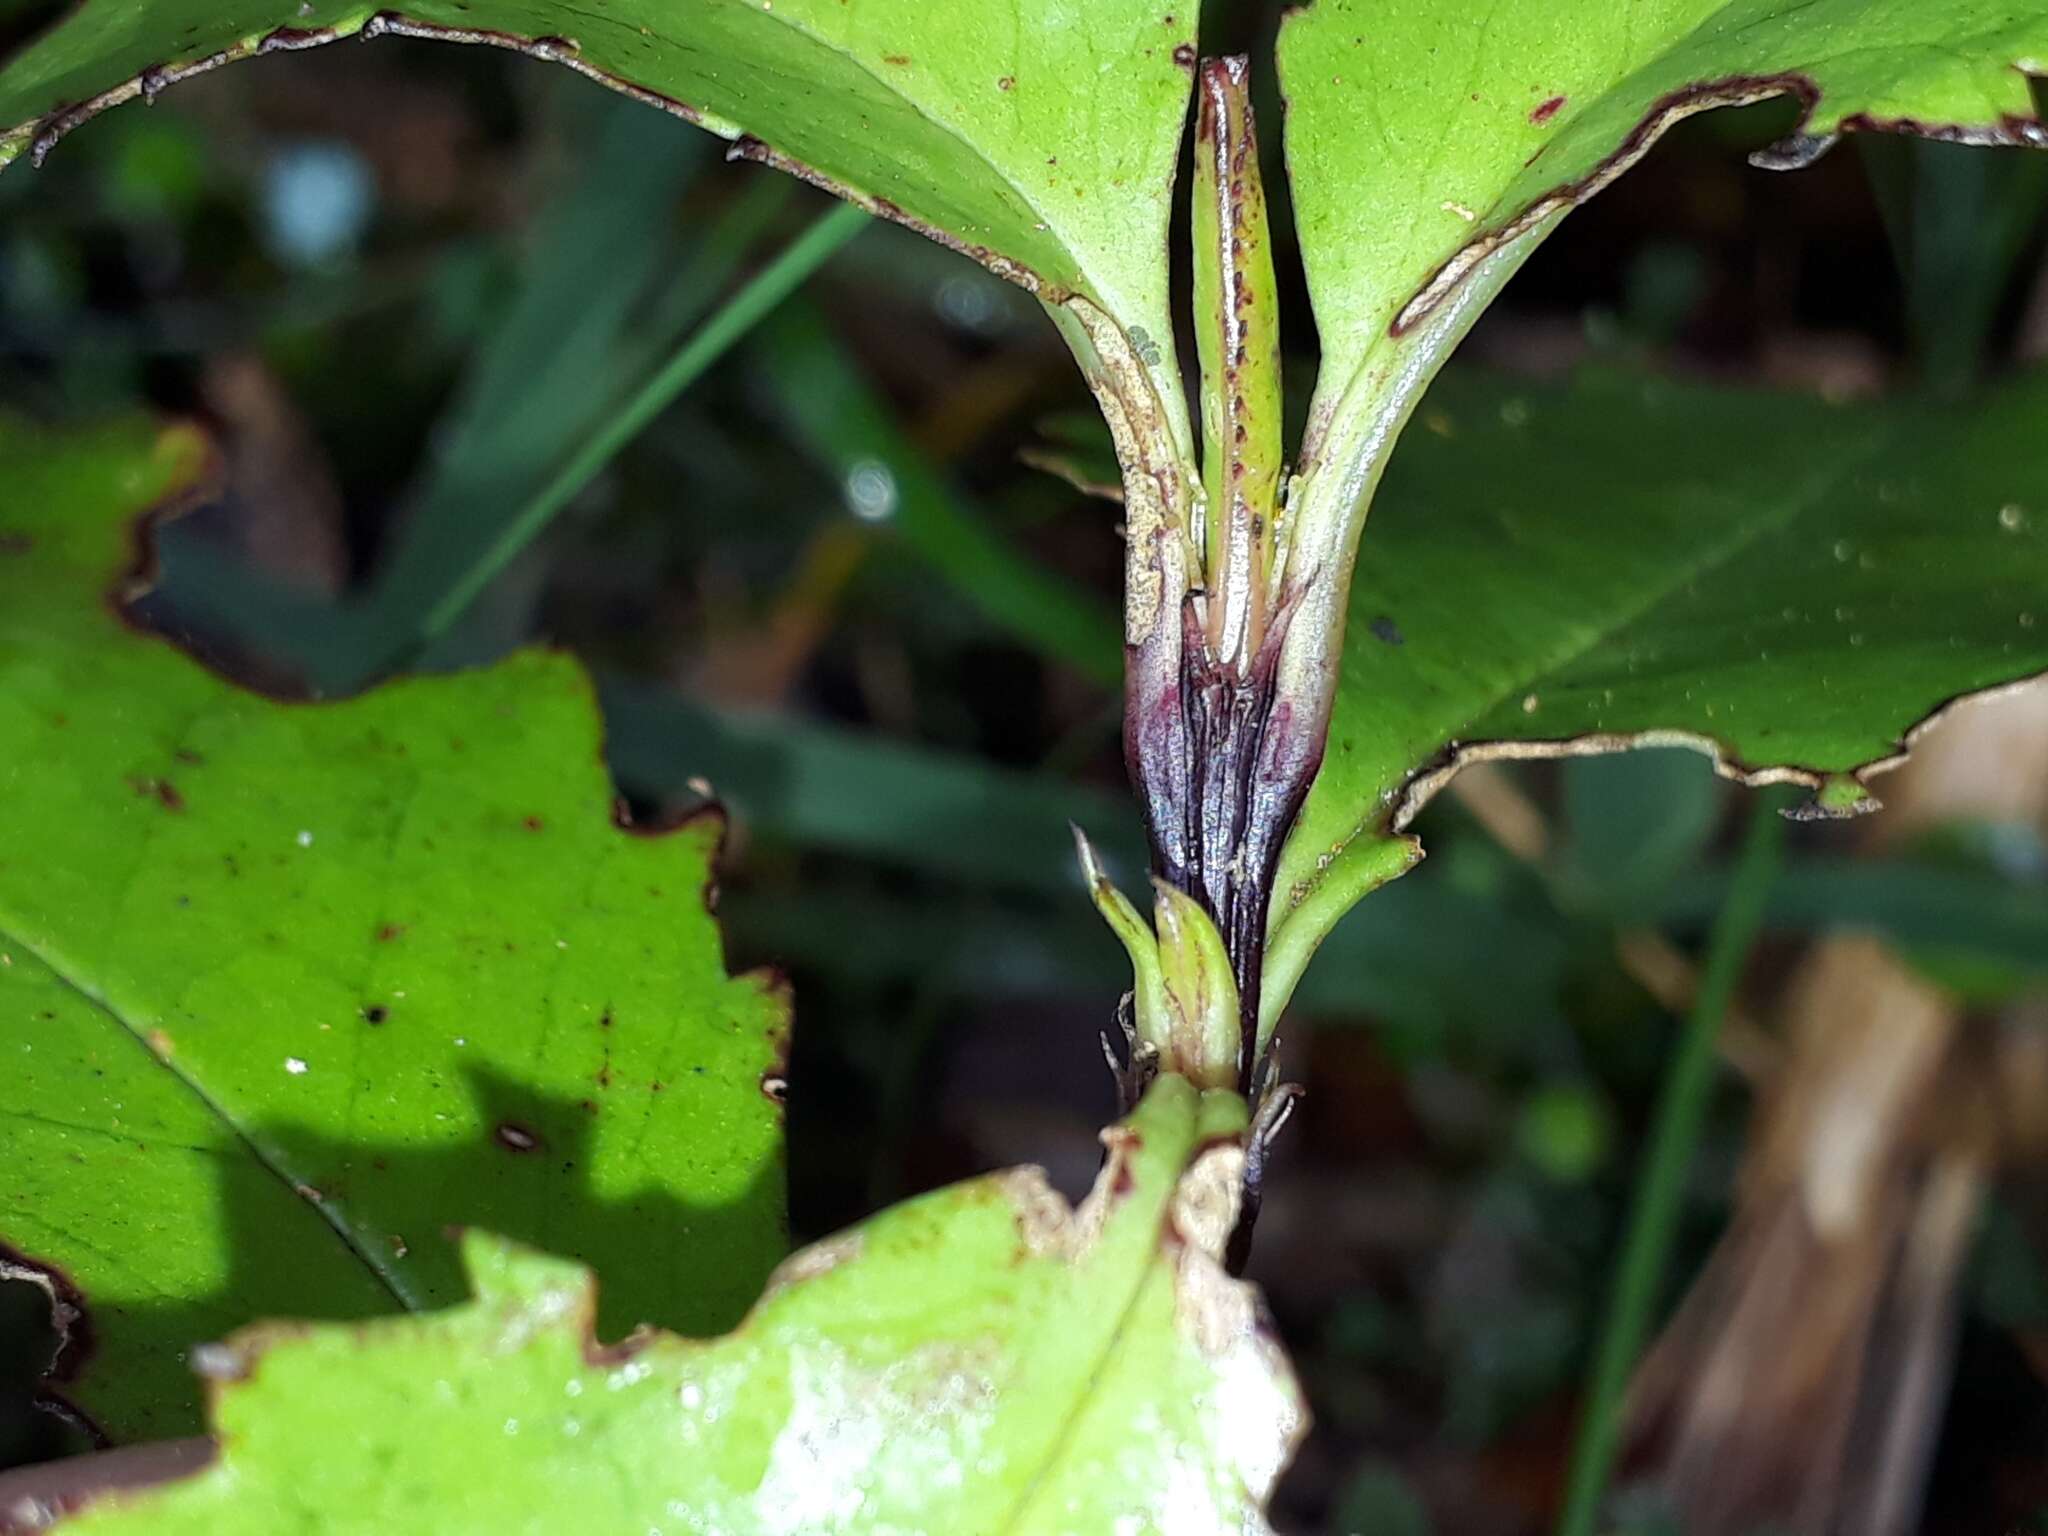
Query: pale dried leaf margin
x=1150 y=1232
x=1840 y=795
x=69 y=1323
x=1796 y=151
x=1378 y=361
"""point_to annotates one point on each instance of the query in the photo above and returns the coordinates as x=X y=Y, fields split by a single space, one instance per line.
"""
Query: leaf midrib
x=1056 y=1453
x=365 y=1253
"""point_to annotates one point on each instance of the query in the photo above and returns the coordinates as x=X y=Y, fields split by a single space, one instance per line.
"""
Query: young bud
x=1183 y=994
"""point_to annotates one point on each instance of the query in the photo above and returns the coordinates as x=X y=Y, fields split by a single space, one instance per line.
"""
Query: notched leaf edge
x=1221 y=1317
x=71 y=1326
x=709 y=819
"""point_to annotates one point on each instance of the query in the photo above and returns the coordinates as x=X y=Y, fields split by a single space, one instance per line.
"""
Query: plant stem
x=705 y=346
x=1215 y=752
x=1681 y=1110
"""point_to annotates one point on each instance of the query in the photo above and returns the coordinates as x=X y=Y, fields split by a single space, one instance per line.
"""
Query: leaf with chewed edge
x=287 y=989
x=1431 y=147
x=1789 y=586
x=979 y=1359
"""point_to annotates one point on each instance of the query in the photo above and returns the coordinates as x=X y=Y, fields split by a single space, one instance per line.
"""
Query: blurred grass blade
x=851 y=792
x=542 y=378
x=1674 y=1133
x=733 y=320
x=548 y=364
x=463 y=507
x=833 y=408
x=606 y=292
x=590 y=348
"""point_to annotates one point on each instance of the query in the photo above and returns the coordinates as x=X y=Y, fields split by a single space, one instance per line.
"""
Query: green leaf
x=979 y=1359
x=1423 y=140
x=1430 y=150
x=1041 y=140
x=1791 y=586
x=1960 y=225
x=291 y=988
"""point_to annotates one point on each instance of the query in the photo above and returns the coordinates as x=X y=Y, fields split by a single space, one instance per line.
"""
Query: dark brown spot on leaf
x=389 y=932
x=533 y=824
x=1547 y=110
x=15 y=543
x=376 y=1013
x=1184 y=56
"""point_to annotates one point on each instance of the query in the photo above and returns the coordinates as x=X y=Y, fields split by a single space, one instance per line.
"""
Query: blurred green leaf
x=857 y=792
x=604 y=287
x=1378 y=1501
x=1567 y=1131
x=1676 y=1129
x=292 y=988
x=1633 y=822
x=1918 y=904
x=2008 y=1272
x=554 y=393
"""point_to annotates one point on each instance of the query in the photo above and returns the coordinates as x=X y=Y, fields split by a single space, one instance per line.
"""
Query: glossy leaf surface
x=1789 y=585
x=290 y=988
